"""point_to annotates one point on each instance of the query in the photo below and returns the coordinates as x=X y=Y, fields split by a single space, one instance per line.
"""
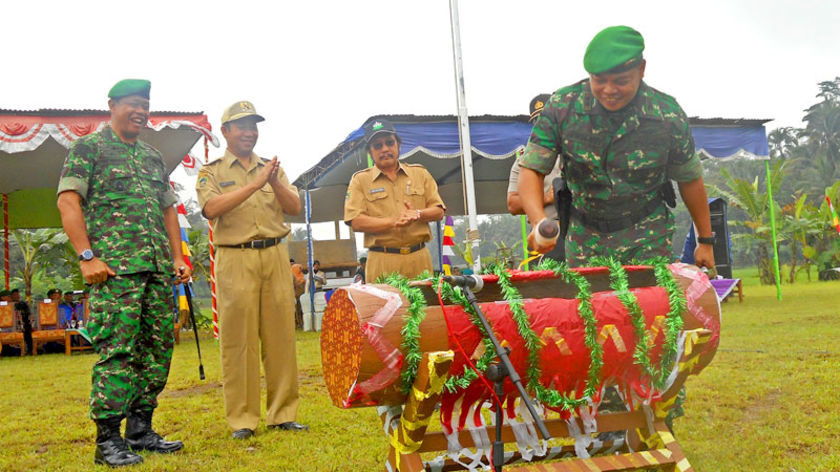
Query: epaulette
x=363 y=170
x=413 y=165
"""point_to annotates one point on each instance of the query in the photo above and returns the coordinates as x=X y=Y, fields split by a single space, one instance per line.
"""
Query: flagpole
x=439 y=246
x=771 y=205
x=524 y=223
x=473 y=237
x=309 y=256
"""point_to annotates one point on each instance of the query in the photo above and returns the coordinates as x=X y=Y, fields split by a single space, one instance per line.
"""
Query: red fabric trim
x=16 y=125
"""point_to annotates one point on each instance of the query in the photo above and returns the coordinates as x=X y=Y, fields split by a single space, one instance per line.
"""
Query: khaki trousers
x=257 y=321
x=407 y=265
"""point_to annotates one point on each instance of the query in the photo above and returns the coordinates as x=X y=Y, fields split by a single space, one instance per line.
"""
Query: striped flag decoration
x=448 y=245
x=185 y=249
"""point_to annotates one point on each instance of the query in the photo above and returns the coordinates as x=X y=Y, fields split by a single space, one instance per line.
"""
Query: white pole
x=464 y=130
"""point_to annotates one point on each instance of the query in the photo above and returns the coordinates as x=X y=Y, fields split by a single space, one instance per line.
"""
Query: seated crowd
x=22 y=318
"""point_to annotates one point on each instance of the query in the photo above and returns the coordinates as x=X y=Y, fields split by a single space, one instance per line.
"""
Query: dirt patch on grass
x=196 y=390
x=757 y=408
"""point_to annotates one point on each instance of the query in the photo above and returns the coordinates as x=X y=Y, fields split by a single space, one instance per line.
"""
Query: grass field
x=768 y=402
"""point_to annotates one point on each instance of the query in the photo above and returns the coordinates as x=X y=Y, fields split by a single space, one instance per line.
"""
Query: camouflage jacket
x=124 y=190
x=614 y=162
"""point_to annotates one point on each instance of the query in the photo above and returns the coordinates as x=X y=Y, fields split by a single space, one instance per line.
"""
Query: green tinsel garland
x=414 y=315
x=460 y=382
x=673 y=321
x=552 y=397
x=621 y=286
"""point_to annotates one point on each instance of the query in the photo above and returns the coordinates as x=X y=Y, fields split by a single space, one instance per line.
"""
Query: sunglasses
x=385 y=142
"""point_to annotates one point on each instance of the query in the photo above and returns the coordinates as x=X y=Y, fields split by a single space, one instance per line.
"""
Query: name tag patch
x=227 y=184
x=377 y=190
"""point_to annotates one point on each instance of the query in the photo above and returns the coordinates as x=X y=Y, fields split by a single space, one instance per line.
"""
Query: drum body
x=362 y=342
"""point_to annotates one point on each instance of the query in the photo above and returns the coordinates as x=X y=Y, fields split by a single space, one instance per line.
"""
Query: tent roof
x=34 y=143
x=434 y=142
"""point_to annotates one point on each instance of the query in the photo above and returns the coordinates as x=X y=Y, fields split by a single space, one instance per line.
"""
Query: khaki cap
x=240 y=110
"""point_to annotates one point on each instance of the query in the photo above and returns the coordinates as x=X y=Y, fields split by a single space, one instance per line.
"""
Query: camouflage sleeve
x=167 y=196
x=354 y=201
x=537 y=158
x=683 y=162
x=78 y=167
x=543 y=145
x=206 y=186
x=431 y=191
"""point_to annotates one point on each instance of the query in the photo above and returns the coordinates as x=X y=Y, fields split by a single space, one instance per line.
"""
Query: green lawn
x=768 y=402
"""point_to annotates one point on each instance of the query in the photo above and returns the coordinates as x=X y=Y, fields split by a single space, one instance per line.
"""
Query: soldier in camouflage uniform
x=116 y=207
x=619 y=142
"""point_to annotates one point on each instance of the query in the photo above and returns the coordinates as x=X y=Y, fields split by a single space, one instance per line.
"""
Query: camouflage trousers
x=649 y=238
x=132 y=329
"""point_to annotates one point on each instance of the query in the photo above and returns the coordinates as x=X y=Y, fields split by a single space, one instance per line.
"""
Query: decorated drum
x=568 y=331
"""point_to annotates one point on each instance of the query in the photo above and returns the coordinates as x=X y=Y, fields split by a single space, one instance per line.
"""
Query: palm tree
x=745 y=195
x=802 y=222
x=34 y=245
x=822 y=135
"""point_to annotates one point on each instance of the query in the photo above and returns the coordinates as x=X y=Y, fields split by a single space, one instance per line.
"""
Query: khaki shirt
x=258 y=217
x=513 y=185
x=372 y=193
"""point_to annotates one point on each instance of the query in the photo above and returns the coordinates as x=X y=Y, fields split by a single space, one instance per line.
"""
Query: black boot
x=140 y=436
x=111 y=450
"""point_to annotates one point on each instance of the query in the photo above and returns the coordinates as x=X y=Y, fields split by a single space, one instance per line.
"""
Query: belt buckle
x=258 y=244
x=405 y=250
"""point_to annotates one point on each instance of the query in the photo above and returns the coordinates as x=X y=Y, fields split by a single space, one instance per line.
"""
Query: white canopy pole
x=464 y=130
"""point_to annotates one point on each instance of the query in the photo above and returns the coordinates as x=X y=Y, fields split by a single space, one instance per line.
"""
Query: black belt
x=603 y=225
x=397 y=250
x=255 y=244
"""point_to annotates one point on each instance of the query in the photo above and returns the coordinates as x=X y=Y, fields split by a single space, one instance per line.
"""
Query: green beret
x=127 y=87
x=613 y=47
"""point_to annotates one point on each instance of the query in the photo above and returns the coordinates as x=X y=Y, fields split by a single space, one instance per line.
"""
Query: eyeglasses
x=385 y=142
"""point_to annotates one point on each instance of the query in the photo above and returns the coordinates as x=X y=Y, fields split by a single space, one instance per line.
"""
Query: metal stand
x=497 y=373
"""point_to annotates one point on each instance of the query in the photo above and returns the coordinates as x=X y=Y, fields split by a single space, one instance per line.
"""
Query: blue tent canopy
x=489 y=138
x=433 y=141
x=730 y=139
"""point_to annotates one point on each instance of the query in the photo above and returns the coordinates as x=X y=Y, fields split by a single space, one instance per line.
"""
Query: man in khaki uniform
x=392 y=203
x=245 y=197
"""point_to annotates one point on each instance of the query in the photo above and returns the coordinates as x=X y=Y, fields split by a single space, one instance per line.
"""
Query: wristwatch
x=86 y=255
x=709 y=240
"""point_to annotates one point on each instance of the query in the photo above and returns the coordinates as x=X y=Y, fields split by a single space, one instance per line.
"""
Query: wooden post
x=407 y=438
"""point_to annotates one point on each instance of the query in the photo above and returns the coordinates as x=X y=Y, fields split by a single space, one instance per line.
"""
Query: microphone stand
x=497 y=373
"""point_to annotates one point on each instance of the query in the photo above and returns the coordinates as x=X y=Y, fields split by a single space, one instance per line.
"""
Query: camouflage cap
x=127 y=87
x=537 y=104
x=613 y=49
x=240 y=110
x=374 y=127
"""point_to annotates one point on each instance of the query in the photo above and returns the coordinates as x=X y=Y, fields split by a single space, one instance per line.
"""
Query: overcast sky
x=317 y=69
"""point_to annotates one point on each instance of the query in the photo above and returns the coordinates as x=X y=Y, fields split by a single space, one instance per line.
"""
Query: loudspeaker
x=720 y=226
x=721 y=249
